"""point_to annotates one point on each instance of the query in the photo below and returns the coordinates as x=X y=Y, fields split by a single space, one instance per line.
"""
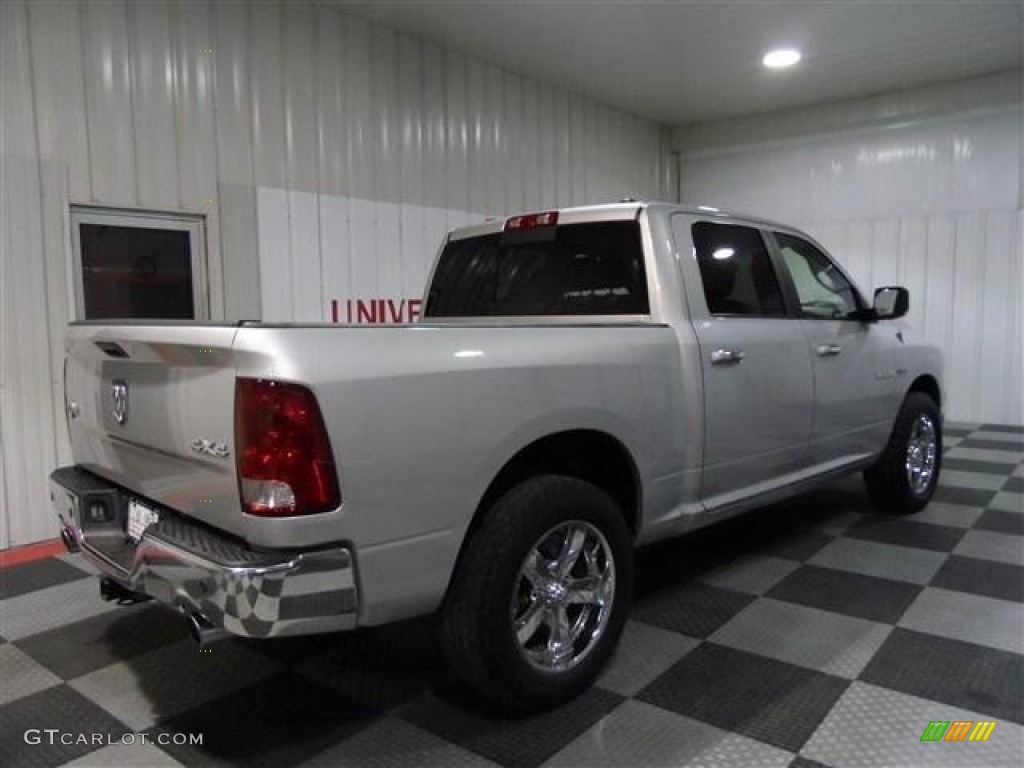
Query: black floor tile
x=765 y=699
x=992 y=445
x=972 y=465
x=513 y=743
x=1011 y=429
x=694 y=609
x=981 y=577
x=957 y=431
x=279 y=722
x=968 y=497
x=1002 y=521
x=1014 y=485
x=60 y=708
x=960 y=674
x=21 y=579
x=906 y=533
x=800 y=547
x=803 y=762
x=852 y=594
x=85 y=646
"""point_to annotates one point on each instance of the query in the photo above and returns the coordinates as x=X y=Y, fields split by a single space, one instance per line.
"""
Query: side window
x=736 y=270
x=136 y=265
x=821 y=289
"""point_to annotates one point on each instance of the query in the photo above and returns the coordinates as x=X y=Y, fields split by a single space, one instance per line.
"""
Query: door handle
x=727 y=356
x=829 y=350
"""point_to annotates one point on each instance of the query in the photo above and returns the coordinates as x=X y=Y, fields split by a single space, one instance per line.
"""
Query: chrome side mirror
x=891 y=301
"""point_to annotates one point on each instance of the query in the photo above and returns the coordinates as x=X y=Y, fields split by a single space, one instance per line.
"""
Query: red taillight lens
x=285 y=464
x=532 y=221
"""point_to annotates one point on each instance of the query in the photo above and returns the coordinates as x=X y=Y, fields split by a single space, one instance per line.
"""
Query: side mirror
x=891 y=302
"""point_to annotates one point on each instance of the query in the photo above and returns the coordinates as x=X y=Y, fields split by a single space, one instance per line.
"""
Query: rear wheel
x=541 y=594
x=904 y=478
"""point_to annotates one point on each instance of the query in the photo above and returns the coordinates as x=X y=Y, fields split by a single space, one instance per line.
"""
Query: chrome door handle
x=829 y=350
x=727 y=356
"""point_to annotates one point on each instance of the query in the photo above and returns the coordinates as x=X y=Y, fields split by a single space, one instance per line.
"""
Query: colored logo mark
x=958 y=730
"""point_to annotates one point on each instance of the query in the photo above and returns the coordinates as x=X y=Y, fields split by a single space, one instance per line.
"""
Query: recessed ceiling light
x=781 y=58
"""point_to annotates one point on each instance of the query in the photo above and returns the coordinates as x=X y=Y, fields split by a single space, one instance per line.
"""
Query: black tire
x=889 y=481
x=477 y=619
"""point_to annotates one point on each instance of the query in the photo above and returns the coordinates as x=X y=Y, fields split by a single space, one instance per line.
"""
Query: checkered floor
x=811 y=632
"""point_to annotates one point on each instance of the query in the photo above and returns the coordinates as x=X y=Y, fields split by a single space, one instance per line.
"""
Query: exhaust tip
x=69 y=540
x=202 y=631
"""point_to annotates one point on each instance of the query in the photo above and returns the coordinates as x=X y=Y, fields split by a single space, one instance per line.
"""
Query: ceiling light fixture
x=781 y=58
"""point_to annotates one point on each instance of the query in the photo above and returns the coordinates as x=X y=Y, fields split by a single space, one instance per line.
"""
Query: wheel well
x=594 y=456
x=930 y=387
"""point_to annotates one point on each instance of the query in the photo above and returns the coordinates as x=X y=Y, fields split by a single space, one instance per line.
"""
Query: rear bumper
x=197 y=570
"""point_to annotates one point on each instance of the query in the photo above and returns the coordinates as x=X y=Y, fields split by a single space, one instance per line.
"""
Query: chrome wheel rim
x=922 y=452
x=563 y=596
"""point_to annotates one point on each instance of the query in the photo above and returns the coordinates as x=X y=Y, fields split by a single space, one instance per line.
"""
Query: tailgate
x=151 y=408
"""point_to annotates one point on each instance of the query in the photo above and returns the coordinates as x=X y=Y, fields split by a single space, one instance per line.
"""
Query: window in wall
x=736 y=270
x=822 y=290
x=138 y=265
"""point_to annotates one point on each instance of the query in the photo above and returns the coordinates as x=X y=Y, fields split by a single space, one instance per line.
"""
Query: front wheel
x=904 y=478
x=541 y=594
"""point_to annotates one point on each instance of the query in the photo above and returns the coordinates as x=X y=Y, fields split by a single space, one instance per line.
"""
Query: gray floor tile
x=135 y=755
x=65 y=603
x=991 y=545
x=852 y=594
x=985 y=454
x=643 y=735
x=821 y=640
x=643 y=654
x=971 y=618
x=172 y=679
x=978 y=480
x=755 y=574
x=981 y=577
x=872 y=726
x=961 y=426
x=21 y=675
x=875 y=558
x=953 y=515
x=394 y=743
x=768 y=700
x=523 y=743
x=1008 y=502
x=1019 y=471
x=984 y=680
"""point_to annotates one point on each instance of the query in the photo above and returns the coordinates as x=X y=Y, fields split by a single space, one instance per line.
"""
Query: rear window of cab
x=594 y=268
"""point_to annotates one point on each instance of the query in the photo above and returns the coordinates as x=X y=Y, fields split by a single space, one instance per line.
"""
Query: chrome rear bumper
x=196 y=570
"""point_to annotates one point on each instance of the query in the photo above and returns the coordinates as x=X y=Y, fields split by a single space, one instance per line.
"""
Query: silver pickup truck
x=583 y=381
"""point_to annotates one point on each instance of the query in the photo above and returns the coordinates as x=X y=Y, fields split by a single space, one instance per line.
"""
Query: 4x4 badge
x=119 y=394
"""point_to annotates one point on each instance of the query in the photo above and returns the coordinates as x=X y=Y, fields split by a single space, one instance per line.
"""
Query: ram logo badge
x=210 y=447
x=119 y=394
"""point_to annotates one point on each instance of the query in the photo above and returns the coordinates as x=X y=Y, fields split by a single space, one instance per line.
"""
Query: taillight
x=532 y=221
x=285 y=464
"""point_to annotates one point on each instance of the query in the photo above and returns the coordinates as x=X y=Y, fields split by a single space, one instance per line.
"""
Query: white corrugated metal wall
x=336 y=150
x=920 y=188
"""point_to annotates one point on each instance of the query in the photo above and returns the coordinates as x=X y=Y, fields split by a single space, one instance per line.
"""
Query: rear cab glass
x=593 y=268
